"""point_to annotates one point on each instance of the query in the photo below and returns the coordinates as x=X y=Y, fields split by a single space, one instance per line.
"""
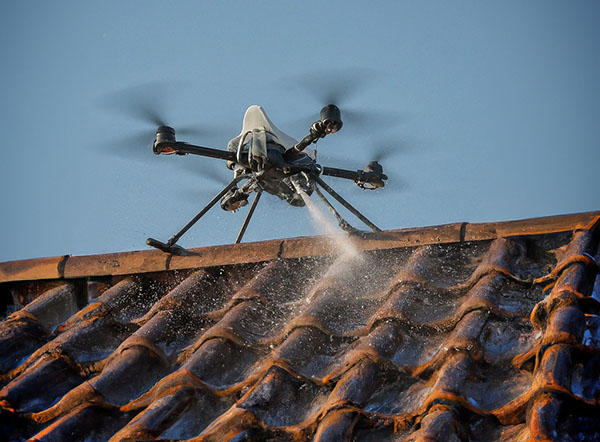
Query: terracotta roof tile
x=458 y=333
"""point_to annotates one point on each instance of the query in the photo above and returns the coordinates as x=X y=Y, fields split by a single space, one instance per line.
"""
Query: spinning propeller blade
x=205 y=168
x=339 y=87
x=147 y=104
x=336 y=86
x=381 y=150
x=139 y=102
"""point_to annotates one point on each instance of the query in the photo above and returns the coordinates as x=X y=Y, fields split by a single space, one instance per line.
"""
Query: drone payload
x=269 y=160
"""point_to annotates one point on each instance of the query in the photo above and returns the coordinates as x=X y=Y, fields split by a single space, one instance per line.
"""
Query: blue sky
x=496 y=108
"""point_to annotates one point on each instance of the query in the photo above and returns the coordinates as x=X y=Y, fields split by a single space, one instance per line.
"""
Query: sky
x=492 y=109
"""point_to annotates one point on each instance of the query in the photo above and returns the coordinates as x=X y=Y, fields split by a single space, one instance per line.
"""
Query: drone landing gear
x=344 y=225
x=248 y=216
x=171 y=247
x=174 y=248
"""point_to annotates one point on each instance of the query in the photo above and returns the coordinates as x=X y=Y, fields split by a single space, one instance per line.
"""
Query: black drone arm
x=184 y=148
x=372 y=177
x=341 y=173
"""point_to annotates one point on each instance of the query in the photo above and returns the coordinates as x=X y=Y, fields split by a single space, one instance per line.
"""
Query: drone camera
x=165 y=136
x=331 y=118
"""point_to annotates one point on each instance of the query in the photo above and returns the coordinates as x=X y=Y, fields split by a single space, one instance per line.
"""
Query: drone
x=265 y=159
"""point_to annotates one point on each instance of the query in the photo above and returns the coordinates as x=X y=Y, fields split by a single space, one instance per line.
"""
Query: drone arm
x=313 y=136
x=341 y=173
x=370 y=178
x=185 y=148
x=319 y=129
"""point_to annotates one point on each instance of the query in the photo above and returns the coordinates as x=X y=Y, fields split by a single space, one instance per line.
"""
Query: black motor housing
x=165 y=135
x=331 y=118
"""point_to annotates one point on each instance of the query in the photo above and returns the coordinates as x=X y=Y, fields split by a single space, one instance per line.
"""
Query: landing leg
x=170 y=246
x=344 y=225
x=344 y=203
x=248 y=216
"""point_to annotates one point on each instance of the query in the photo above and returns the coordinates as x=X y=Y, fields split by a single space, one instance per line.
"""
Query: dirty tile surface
x=495 y=340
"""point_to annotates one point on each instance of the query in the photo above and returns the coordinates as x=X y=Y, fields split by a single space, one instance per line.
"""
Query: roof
x=461 y=332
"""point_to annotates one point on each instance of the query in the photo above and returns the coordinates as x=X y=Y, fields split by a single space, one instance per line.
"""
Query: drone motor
x=331 y=118
x=165 y=136
x=371 y=177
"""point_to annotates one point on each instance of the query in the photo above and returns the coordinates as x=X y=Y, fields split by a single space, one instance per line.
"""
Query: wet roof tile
x=464 y=332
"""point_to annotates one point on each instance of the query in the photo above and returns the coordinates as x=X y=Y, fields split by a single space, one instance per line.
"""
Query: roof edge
x=145 y=261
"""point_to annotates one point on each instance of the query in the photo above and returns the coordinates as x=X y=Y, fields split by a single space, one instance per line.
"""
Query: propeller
x=380 y=150
x=147 y=105
x=339 y=87
x=216 y=176
x=335 y=86
x=201 y=167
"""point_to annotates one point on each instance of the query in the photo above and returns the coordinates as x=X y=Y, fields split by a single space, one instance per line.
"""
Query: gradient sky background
x=496 y=107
